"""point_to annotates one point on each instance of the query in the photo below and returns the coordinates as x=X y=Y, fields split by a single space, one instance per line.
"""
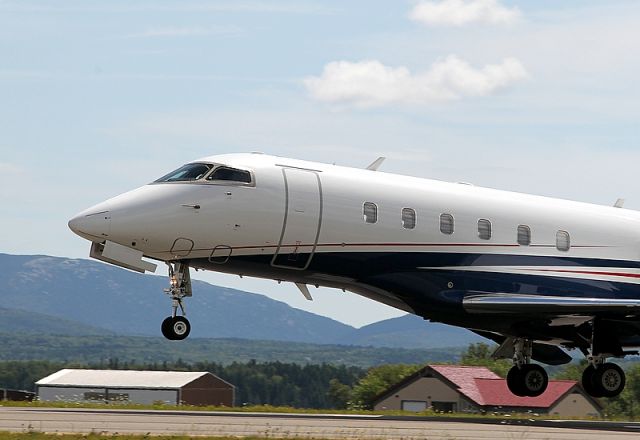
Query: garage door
x=414 y=405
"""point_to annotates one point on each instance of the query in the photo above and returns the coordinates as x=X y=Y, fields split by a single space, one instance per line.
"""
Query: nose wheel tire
x=176 y=328
x=165 y=327
x=607 y=380
x=530 y=380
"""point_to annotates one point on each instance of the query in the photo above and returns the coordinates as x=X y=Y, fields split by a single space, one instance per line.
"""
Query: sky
x=97 y=98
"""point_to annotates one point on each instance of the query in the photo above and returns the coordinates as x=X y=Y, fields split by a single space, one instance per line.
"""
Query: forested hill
x=77 y=296
x=88 y=349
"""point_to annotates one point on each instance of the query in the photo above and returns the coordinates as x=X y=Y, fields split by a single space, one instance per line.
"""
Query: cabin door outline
x=302 y=219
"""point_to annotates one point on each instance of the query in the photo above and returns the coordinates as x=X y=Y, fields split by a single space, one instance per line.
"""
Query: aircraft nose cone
x=75 y=223
x=92 y=226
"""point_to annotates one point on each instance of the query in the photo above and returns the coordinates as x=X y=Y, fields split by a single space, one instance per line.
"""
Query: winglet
x=305 y=291
x=619 y=203
x=376 y=164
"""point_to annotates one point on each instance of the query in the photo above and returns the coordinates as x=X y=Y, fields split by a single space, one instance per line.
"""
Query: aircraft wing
x=554 y=305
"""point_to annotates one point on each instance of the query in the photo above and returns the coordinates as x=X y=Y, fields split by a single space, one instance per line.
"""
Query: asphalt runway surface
x=65 y=420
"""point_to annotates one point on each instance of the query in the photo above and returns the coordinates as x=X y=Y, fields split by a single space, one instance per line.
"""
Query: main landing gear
x=599 y=379
x=602 y=378
x=176 y=327
x=524 y=378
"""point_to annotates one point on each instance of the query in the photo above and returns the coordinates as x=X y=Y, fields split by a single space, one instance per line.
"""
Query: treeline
x=284 y=384
x=92 y=349
x=321 y=386
x=257 y=383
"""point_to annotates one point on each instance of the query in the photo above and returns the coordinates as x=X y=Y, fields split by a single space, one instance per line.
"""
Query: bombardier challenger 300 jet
x=533 y=274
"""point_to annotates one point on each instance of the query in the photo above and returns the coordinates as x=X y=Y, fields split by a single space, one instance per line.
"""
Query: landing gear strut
x=524 y=378
x=602 y=378
x=176 y=327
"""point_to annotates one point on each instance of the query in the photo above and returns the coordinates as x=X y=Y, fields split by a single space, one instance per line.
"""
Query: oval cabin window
x=446 y=224
x=408 y=218
x=524 y=235
x=370 y=212
x=484 y=229
x=563 y=241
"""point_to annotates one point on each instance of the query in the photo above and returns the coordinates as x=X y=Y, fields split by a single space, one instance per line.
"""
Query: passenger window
x=187 y=173
x=563 y=241
x=230 y=174
x=408 y=218
x=524 y=235
x=484 y=229
x=370 y=212
x=446 y=224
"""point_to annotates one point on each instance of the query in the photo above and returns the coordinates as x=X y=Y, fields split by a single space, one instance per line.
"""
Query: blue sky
x=99 y=97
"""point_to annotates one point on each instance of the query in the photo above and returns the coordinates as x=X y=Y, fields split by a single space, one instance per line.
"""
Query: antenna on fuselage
x=376 y=164
x=619 y=203
x=305 y=291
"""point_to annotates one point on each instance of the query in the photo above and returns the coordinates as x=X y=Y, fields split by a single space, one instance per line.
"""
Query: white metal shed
x=144 y=387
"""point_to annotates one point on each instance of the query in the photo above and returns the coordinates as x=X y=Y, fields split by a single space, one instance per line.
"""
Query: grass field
x=252 y=408
x=274 y=409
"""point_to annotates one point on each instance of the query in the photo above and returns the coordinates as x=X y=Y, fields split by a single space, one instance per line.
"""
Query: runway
x=58 y=420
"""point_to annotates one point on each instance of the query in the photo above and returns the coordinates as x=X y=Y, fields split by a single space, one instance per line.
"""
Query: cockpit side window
x=187 y=173
x=230 y=174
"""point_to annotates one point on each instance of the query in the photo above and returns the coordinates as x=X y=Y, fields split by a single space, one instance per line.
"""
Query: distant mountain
x=125 y=302
x=144 y=349
x=83 y=297
x=412 y=331
x=20 y=321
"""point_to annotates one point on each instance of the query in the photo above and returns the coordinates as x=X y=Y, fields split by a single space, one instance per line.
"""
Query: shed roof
x=464 y=377
x=495 y=392
x=120 y=378
x=485 y=388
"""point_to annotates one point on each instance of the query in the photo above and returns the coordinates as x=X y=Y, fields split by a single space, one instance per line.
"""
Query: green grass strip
x=41 y=436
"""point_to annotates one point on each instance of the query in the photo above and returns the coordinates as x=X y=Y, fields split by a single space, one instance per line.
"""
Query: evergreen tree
x=377 y=380
x=339 y=394
x=479 y=354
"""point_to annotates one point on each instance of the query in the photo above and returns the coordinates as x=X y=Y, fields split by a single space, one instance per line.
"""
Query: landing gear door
x=302 y=219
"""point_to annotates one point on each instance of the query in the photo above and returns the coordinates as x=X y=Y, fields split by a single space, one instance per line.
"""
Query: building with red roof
x=455 y=388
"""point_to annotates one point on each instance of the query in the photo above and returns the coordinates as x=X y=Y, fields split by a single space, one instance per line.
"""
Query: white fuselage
x=527 y=272
x=249 y=218
x=312 y=223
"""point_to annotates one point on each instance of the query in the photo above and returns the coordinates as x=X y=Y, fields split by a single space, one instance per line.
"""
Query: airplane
x=536 y=275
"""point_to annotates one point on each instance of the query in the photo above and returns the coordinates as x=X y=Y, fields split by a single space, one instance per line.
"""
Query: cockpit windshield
x=230 y=174
x=187 y=173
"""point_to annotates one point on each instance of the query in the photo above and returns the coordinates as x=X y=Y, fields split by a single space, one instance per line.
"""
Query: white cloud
x=371 y=83
x=463 y=12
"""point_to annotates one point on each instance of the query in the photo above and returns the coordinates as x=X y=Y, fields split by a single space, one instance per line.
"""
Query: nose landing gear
x=176 y=327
